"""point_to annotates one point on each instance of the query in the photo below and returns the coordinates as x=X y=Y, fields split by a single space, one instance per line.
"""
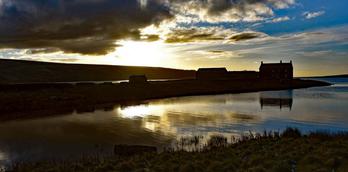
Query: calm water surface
x=161 y=122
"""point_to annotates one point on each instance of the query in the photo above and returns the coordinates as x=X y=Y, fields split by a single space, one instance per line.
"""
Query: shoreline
x=30 y=100
x=289 y=150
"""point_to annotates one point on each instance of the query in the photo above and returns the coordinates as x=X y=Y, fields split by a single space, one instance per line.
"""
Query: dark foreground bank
x=26 y=100
x=289 y=151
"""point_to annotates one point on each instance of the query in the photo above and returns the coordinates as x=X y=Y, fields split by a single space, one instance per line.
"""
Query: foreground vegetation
x=289 y=151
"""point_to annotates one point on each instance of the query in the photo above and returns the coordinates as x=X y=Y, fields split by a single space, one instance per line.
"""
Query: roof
x=133 y=77
x=137 y=76
x=275 y=65
x=222 y=69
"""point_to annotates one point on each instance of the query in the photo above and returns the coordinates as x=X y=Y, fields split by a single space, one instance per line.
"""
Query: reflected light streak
x=140 y=111
x=3 y=156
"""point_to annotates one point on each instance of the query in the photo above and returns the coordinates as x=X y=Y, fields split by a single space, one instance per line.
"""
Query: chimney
x=291 y=61
x=281 y=61
x=261 y=62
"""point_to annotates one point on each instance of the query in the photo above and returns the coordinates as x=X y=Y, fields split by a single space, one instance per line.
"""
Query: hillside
x=329 y=76
x=19 y=71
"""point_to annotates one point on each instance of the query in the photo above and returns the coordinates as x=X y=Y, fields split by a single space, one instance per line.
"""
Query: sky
x=184 y=34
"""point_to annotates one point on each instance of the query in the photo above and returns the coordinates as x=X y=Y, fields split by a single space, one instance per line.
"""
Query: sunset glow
x=142 y=54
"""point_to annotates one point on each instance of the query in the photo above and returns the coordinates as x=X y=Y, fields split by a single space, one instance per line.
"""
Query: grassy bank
x=22 y=71
x=289 y=151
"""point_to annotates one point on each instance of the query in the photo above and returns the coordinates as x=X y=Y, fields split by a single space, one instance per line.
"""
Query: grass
x=269 y=151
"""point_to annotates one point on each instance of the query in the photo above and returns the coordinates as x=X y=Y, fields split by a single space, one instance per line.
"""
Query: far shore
x=36 y=100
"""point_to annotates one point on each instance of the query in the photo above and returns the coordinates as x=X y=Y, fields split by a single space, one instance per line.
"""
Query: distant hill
x=20 y=71
x=330 y=76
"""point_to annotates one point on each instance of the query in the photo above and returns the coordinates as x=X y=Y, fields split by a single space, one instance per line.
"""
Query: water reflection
x=74 y=135
x=139 y=110
x=96 y=129
x=281 y=99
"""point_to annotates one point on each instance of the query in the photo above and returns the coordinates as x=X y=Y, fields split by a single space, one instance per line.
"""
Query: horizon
x=176 y=34
x=309 y=76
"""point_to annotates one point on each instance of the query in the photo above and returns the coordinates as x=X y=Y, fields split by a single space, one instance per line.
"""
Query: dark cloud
x=216 y=51
x=210 y=34
x=76 y=26
x=42 y=51
x=229 y=10
x=150 y=38
x=245 y=36
x=193 y=34
x=93 y=26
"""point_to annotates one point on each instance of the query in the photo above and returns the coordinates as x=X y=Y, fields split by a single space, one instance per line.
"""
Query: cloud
x=182 y=35
x=216 y=51
x=282 y=4
x=215 y=11
x=280 y=19
x=150 y=37
x=42 y=51
x=245 y=36
x=204 y=34
x=308 y=50
x=91 y=27
x=76 y=26
x=310 y=15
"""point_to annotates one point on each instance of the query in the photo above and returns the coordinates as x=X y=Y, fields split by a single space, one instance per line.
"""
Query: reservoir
x=162 y=122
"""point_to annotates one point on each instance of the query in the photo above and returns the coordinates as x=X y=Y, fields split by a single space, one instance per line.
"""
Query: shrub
x=291 y=133
x=217 y=141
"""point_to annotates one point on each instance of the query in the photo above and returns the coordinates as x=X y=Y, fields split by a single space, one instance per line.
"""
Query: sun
x=137 y=53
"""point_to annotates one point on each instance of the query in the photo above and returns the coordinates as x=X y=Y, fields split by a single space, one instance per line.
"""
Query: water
x=161 y=122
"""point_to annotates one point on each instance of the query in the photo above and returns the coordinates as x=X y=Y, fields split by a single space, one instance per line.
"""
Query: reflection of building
x=211 y=73
x=281 y=99
x=137 y=79
x=276 y=70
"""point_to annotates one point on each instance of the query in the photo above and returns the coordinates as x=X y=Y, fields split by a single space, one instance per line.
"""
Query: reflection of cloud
x=75 y=135
x=2 y=157
x=184 y=120
x=174 y=114
x=139 y=111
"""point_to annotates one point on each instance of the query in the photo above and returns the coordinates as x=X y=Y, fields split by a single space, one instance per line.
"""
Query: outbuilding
x=137 y=79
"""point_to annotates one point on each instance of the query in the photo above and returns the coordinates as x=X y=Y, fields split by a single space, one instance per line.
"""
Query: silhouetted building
x=278 y=71
x=277 y=99
x=211 y=73
x=243 y=75
x=137 y=79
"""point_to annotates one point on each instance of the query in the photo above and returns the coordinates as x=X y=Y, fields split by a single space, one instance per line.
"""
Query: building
x=137 y=79
x=211 y=74
x=279 y=71
x=243 y=75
